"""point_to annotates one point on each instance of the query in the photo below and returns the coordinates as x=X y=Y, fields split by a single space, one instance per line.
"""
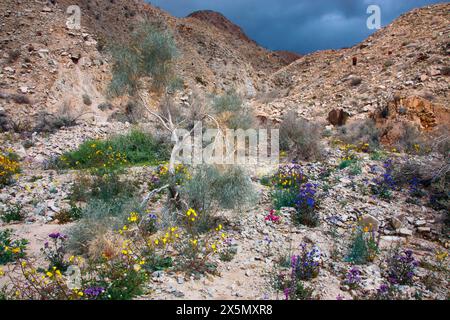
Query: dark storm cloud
x=299 y=25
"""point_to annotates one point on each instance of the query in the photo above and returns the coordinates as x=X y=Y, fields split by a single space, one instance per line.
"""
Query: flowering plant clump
x=195 y=251
x=228 y=250
x=9 y=166
x=162 y=176
x=55 y=250
x=306 y=205
x=364 y=246
x=286 y=183
x=96 y=155
x=11 y=250
x=302 y=267
x=307 y=264
x=401 y=267
x=384 y=184
x=353 y=278
x=273 y=217
x=289 y=176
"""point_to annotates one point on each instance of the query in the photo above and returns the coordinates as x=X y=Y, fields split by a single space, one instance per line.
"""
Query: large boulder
x=338 y=117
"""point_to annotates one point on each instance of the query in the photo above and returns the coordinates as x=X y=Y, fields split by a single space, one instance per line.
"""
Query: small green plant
x=355 y=169
x=11 y=250
x=284 y=198
x=69 y=215
x=12 y=214
x=364 y=246
x=228 y=252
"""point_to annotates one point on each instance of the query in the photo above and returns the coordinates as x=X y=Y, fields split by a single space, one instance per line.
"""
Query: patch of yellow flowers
x=8 y=168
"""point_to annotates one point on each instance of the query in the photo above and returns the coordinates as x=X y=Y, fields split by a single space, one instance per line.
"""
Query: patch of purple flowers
x=402 y=267
x=353 y=278
x=57 y=235
x=94 y=292
x=306 y=265
x=385 y=183
x=306 y=205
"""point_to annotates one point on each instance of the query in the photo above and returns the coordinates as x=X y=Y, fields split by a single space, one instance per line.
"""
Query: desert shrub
x=13 y=213
x=13 y=55
x=404 y=173
x=300 y=137
x=230 y=109
x=87 y=99
x=108 y=155
x=69 y=215
x=212 y=188
x=412 y=141
x=440 y=140
x=9 y=166
x=11 y=250
x=363 y=246
x=103 y=187
x=228 y=189
x=97 y=219
x=65 y=116
x=363 y=132
x=149 y=52
x=20 y=98
x=228 y=102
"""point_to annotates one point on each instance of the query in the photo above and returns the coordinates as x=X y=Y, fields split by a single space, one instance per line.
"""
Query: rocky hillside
x=398 y=62
x=45 y=66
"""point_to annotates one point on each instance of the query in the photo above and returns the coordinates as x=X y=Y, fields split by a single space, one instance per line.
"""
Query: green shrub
x=105 y=187
x=211 y=188
x=69 y=215
x=149 y=52
x=228 y=189
x=412 y=141
x=300 y=137
x=228 y=102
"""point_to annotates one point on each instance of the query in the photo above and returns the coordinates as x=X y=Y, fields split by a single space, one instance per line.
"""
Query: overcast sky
x=299 y=25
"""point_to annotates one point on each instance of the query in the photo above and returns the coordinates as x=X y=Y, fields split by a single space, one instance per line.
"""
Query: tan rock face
x=414 y=111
